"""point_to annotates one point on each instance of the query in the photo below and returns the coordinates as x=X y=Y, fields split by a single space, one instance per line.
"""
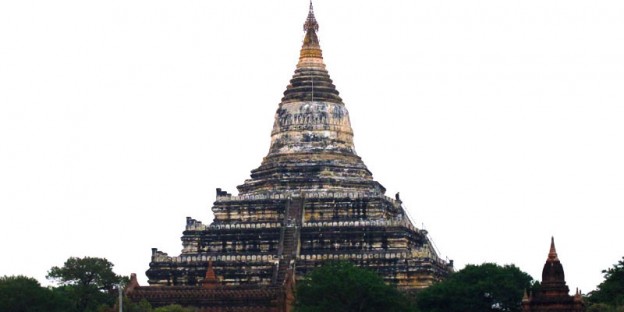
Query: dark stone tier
x=311 y=84
x=311 y=200
x=249 y=240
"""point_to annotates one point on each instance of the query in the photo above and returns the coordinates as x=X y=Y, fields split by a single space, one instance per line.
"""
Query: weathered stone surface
x=311 y=200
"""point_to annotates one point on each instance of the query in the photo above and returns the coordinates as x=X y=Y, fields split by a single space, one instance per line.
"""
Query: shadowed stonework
x=311 y=200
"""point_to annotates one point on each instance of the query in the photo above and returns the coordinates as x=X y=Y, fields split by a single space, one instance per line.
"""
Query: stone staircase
x=289 y=240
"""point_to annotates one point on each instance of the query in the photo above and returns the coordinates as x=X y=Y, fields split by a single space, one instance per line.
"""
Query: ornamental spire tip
x=310 y=23
x=311 y=54
x=552 y=254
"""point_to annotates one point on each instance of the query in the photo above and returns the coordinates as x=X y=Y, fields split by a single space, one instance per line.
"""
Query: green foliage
x=84 y=298
x=141 y=306
x=341 y=286
x=85 y=271
x=25 y=294
x=485 y=287
x=602 y=307
x=174 y=308
x=599 y=307
x=610 y=293
x=88 y=282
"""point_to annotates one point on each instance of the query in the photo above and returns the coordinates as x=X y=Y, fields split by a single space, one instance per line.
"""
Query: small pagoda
x=311 y=200
x=553 y=294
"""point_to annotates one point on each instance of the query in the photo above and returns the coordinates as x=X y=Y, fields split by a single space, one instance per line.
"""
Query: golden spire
x=552 y=255
x=311 y=54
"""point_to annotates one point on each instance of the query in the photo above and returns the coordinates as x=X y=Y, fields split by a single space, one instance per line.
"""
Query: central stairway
x=289 y=240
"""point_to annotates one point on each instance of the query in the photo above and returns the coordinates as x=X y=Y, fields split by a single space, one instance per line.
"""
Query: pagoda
x=311 y=200
x=553 y=294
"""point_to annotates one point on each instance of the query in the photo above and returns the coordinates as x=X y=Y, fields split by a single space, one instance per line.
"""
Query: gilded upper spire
x=552 y=254
x=311 y=54
x=312 y=140
x=311 y=81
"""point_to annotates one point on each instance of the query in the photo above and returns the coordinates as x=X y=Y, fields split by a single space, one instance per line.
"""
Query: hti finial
x=310 y=22
x=311 y=54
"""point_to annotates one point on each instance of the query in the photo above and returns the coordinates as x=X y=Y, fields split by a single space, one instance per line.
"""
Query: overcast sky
x=500 y=122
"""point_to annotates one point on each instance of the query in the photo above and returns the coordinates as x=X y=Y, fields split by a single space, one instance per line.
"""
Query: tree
x=89 y=282
x=25 y=294
x=611 y=291
x=85 y=272
x=602 y=307
x=341 y=286
x=141 y=306
x=485 y=287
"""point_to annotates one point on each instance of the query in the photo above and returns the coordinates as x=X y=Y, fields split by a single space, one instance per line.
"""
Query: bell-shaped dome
x=312 y=141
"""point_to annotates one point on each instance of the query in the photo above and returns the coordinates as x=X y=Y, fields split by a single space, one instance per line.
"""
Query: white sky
x=500 y=122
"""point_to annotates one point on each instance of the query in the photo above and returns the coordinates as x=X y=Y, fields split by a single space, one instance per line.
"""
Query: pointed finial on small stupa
x=310 y=23
x=525 y=298
x=210 y=281
x=552 y=255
